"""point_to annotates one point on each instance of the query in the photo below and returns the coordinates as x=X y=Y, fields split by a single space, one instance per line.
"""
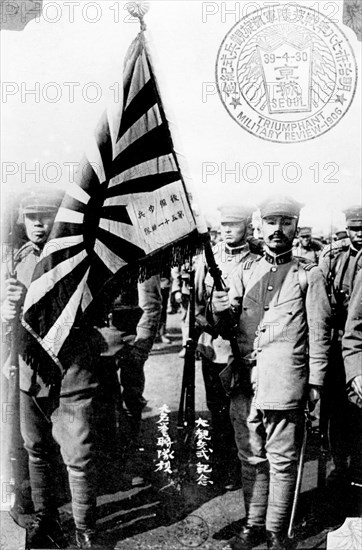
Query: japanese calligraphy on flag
x=128 y=202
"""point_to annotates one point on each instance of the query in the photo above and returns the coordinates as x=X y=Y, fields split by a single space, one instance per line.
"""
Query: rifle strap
x=356 y=267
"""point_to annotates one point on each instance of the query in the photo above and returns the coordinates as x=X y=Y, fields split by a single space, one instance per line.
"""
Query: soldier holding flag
x=60 y=411
x=128 y=206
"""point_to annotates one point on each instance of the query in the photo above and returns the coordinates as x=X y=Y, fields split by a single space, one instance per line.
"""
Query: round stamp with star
x=192 y=532
x=286 y=73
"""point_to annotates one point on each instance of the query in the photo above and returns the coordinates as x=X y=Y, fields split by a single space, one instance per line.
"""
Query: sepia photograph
x=181 y=275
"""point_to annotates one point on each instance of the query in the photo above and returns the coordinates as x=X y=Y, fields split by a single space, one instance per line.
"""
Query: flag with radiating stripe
x=128 y=202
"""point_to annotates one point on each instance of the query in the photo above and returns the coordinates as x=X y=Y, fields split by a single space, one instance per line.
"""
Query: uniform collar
x=236 y=250
x=37 y=249
x=353 y=251
x=29 y=245
x=278 y=259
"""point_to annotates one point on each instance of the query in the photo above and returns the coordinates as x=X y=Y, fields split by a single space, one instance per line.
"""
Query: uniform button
x=259 y=350
x=229 y=259
x=266 y=308
x=270 y=287
x=256 y=333
x=274 y=269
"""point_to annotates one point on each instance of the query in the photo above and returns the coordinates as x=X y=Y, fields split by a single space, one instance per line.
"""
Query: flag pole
x=139 y=10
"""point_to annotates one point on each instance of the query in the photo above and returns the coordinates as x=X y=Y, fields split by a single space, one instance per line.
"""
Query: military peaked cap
x=280 y=205
x=353 y=215
x=305 y=231
x=235 y=213
x=341 y=234
x=41 y=202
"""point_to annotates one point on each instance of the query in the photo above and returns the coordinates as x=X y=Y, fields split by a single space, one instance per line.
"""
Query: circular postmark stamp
x=286 y=73
x=192 y=532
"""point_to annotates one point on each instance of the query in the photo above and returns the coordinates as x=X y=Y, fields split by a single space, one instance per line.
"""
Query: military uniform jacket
x=352 y=338
x=339 y=267
x=283 y=328
x=227 y=259
x=25 y=261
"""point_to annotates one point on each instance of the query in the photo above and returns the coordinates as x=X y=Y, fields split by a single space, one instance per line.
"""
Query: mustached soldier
x=283 y=315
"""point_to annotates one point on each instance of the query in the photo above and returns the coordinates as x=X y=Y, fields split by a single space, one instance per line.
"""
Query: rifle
x=186 y=412
x=235 y=375
x=13 y=425
x=307 y=426
x=14 y=419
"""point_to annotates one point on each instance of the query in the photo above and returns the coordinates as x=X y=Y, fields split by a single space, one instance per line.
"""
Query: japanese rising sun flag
x=128 y=203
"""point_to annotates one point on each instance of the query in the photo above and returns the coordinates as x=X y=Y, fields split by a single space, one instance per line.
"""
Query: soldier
x=215 y=350
x=352 y=343
x=283 y=317
x=307 y=247
x=60 y=410
x=352 y=355
x=338 y=264
x=129 y=337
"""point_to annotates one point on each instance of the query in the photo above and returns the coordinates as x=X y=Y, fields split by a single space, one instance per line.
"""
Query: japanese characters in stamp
x=286 y=73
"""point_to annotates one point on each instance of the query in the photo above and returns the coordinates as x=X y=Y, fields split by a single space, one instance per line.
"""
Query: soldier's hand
x=9 y=311
x=313 y=397
x=357 y=385
x=220 y=300
x=15 y=291
x=178 y=297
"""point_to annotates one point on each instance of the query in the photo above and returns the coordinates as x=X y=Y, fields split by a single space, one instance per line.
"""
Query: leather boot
x=250 y=536
x=277 y=541
x=87 y=538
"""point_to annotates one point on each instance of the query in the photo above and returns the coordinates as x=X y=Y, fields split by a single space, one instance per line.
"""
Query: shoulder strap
x=248 y=269
x=302 y=278
x=303 y=268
